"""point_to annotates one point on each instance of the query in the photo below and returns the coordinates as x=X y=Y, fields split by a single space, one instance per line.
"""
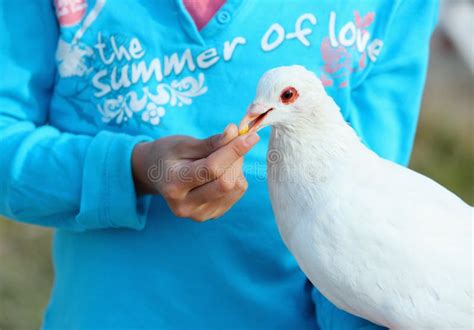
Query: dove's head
x=285 y=95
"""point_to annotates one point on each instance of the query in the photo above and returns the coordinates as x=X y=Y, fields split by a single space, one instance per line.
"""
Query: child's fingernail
x=252 y=138
x=226 y=131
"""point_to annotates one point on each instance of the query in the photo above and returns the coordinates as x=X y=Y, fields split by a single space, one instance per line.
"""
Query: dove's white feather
x=377 y=239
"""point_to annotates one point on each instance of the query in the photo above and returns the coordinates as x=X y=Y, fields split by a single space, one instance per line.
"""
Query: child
x=102 y=107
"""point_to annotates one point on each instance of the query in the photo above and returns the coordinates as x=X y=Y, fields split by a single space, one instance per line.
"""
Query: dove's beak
x=256 y=114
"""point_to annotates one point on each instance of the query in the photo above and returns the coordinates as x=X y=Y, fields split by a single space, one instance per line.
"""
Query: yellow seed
x=243 y=130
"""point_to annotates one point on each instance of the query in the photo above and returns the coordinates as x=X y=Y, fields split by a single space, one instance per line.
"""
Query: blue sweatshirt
x=82 y=82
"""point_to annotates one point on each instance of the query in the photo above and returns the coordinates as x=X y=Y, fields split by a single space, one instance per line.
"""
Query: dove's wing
x=385 y=243
x=425 y=233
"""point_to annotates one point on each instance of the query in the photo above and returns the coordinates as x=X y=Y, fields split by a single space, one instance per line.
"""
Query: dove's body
x=377 y=239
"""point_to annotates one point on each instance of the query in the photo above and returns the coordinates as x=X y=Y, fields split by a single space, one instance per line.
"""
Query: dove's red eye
x=289 y=95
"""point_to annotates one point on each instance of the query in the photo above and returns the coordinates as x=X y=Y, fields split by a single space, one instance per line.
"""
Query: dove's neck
x=307 y=160
x=321 y=137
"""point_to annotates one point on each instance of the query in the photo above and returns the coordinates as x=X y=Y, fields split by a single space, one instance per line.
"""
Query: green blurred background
x=443 y=151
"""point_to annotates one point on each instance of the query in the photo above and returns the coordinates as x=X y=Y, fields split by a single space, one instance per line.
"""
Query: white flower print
x=152 y=114
x=115 y=109
x=72 y=59
x=150 y=106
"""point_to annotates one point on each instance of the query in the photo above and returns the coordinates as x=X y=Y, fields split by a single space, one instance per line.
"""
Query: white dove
x=377 y=239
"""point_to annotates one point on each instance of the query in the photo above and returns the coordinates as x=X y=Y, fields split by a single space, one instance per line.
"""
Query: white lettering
x=103 y=88
x=362 y=40
x=173 y=63
x=300 y=33
x=332 y=30
x=123 y=82
x=207 y=58
x=100 y=47
x=280 y=36
x=141 y=72
x=374 y=49
x=120 y=52
x=136 y=50
x=229 y=47
x=347 y=35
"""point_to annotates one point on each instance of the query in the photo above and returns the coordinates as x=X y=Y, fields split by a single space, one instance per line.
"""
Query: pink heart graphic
x=70 y=12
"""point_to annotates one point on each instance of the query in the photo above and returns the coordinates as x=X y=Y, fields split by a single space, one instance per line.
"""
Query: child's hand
x=200 y=179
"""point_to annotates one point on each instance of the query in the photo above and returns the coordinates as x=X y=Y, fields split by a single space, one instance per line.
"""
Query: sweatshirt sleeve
x=384 y=108
x=47 y=177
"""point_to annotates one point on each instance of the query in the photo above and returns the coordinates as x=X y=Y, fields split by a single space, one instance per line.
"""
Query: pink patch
x=327 y=82
x=363 y=61
x=363 y=22
x=340 y=62
x=335 y=58
x=202 y=10
x=70 y=12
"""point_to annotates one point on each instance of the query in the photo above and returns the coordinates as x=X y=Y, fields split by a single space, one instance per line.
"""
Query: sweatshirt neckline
x=219 y=22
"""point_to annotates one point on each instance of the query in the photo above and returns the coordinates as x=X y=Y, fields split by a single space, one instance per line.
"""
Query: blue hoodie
x=82 y=82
